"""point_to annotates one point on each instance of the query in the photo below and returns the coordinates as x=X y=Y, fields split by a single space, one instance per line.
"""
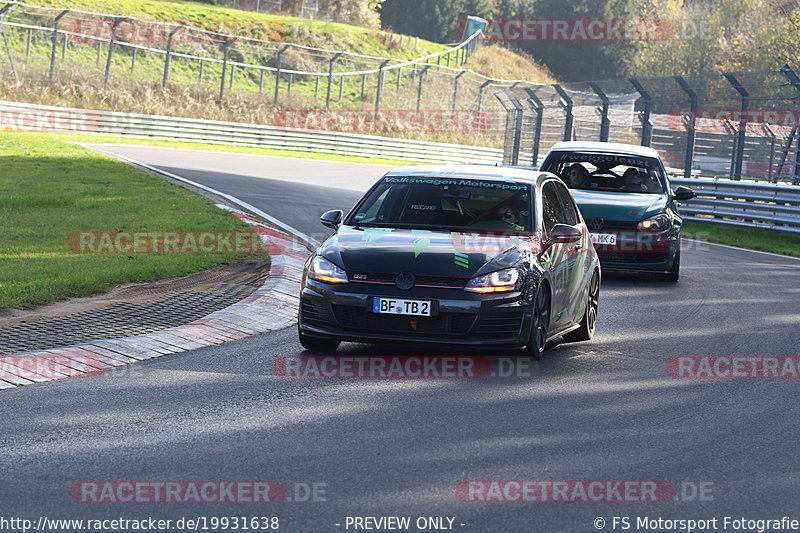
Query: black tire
x=587 y=326
x=540 y=322
x=674 y=273
x=318 y=344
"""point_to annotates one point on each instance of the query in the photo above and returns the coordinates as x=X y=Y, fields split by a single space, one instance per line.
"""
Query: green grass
x=764 y=239
x=50 y=189
x=135 y=81
x=322 y=34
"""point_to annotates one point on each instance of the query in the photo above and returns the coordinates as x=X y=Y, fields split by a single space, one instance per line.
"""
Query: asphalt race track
x=603 y=410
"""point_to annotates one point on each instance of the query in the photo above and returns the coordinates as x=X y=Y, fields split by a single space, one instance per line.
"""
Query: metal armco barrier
x=725 y=201
x=742 y=203
x=19 y=116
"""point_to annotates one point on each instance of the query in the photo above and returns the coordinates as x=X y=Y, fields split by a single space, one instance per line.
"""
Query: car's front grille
x=632 y=257
x=421 y=281
x=315 y=315
x=611 y=224
x=445 y=324
x=500 y=325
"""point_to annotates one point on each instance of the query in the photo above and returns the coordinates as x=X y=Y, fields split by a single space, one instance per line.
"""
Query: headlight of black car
x=323 y=270
x=507 y=280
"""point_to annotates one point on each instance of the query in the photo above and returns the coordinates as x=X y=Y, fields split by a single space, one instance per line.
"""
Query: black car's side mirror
x=683 y=193
x=331 y=219
x=565 y=233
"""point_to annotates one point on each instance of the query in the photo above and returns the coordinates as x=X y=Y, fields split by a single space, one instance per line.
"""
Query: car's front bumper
x=345 y=312
x=639 y=251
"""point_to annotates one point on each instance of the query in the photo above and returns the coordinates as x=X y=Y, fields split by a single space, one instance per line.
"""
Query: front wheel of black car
x=540 y=321
x=318 y=344
x=586 y=330
x=675 y=272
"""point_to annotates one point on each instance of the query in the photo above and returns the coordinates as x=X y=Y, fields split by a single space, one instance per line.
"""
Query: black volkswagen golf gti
x=458 y=254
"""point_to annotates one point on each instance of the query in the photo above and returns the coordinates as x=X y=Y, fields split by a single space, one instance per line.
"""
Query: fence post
x=566 y=103
x=168 y=57
x=729 y=126
x=537 y=105
x=419 y=87
x=455 y=88
x=795 y=81
x=379 y=88
x=341 y=88
x=28 y=43
x=480 y=93
x=518 y=115
x=278 y=74
x=772 y=136
x=688 y=160
x=647 y=126
x=605 y=123
x=5 y=40
x=330 y=79
x=133 y=59
x=739 y=146
x=226 y=47
x=114 y=26
x=56 y=23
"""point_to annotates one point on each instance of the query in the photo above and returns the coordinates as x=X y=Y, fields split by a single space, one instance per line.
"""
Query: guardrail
x=21 y=116
x=742 y=203
x=739 y=203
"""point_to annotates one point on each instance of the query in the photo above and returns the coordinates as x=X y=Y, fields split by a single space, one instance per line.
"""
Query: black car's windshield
x=608 y=172
x=453 y=203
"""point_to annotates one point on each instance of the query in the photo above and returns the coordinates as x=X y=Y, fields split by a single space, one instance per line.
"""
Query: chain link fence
x=731 y=125
x=303 y=87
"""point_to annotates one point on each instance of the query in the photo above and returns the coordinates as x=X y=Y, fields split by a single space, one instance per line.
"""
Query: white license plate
x=395 y=306
x=604 y=238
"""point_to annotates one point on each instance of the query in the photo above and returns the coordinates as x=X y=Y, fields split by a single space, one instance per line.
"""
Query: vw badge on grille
x=405 y=280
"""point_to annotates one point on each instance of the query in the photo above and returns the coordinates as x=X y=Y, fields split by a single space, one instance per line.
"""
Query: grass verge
x=50 y=189
x=764 y=239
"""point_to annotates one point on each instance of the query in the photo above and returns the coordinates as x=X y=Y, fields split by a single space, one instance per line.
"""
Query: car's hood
x=425 y=253
x=624 y=206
